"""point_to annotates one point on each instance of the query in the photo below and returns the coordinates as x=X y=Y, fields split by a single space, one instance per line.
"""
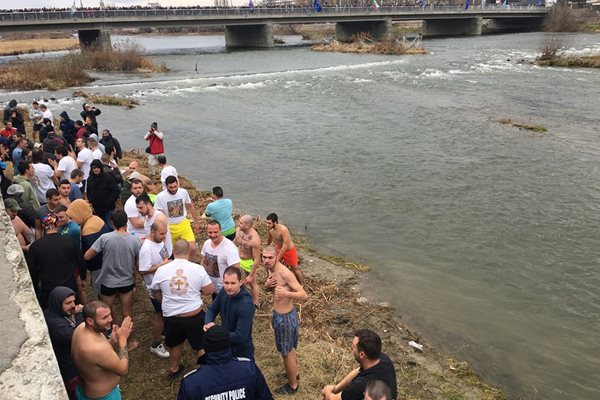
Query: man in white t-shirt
x=218 y=253
x=44 y=176
x=84 y=157
x=175 y=202
x=178 y=286
x=66 y=163
x=154 y=255
x=94 y=147
x=151 y=215
x=135 y=221
x=166 y=170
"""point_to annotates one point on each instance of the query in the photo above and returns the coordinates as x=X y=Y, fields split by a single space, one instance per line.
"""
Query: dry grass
x=328 y=319
x=106 y=100
x=362 y=44
x=21 y=46
x=71 y=70
x=572 y=61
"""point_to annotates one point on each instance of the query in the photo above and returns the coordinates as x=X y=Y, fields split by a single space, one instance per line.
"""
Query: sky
x=6 y=4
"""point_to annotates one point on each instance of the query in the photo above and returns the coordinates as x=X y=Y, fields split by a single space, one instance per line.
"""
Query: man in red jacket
x=155 y=145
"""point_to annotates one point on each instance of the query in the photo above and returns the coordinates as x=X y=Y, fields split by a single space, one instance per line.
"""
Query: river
x=482 y=235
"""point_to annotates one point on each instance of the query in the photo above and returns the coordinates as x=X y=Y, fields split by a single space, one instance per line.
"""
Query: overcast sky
x=6 y=4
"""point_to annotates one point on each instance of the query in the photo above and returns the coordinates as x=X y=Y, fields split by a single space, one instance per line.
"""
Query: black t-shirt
x=383 y=371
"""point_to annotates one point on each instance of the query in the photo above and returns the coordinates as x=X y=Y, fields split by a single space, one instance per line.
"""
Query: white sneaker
x=160 y=351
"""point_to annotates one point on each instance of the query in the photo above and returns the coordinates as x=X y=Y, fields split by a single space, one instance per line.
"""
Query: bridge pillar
x=379 y=30
x=260 y=35
x=501 y=25
x=452 y=27
x=95 y=38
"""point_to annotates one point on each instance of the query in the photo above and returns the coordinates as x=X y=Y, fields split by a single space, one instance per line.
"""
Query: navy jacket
x=225 y=377
x=237 y=313
x=61 y=330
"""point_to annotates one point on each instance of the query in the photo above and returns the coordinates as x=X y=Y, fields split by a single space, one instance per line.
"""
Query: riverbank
x=334 y=310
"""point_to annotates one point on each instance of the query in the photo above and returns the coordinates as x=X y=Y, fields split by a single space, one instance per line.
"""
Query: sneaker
x=160 y=351
x=286 y=389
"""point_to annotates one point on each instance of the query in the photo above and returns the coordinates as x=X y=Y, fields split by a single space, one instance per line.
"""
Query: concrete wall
x=259 y=36
x=452 y=27
x=379 y=30
x=93 y=38
x=28 y=368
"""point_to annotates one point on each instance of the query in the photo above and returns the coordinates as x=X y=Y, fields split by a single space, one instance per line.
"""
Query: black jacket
x=93 y=113
x=111 y=141
x=67 y=127
x=102 y=190
x=61 y=330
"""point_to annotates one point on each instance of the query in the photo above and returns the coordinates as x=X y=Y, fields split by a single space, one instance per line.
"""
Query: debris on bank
x=521 y=125
x=106 y=100
x=363 y=43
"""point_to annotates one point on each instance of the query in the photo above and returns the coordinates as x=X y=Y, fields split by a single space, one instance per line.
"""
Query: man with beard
x=101 y=363
x=218 y=253
x=62 y=317
x=102 y=191
x=135 y=221
x=175 y=203
x=152 y=215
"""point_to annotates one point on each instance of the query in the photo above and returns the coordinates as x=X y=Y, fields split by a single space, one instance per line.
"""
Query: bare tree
x=561 y=18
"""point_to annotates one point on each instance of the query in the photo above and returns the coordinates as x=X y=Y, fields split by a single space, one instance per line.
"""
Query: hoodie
x=29 y=194
x=237 y=313
x=225 y=377
x=61 y=330
x=111 y=141
x=67 y=127
x=92 y=114
x=92 y=227
x=102 y=190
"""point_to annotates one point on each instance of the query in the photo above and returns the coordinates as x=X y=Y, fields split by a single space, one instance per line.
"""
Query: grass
x=572 y=62
x=72 y=69
x=106 y=100
x=363 y=44
x=21 y=46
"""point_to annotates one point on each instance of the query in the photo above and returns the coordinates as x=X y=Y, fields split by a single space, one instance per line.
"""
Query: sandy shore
x=334 y=311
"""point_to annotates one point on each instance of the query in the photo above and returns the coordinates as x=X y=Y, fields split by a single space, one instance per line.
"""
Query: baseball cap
x=15 y=189
x=12 y=205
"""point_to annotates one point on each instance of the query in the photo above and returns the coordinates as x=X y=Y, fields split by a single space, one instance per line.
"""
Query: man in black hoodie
x=102 y=191
x=67 y=127
x=13 y=115
x=62 y=316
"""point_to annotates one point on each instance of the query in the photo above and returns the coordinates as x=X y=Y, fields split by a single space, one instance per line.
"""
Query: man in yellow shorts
x=176 y=204
x=248 y=242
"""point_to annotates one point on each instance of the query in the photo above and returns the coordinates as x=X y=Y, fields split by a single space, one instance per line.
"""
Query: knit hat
x=216 y=339
x=154 y=125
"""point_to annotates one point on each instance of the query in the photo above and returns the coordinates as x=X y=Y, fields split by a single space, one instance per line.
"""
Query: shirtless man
x=248 y=242
x=101 y=363
x=285 y=322
x=286 y=250
x=24 y=234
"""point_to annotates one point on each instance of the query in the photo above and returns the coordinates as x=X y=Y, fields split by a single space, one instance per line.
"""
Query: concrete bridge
x=253 y=28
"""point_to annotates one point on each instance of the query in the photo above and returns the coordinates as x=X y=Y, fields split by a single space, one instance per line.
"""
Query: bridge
x=253 y=28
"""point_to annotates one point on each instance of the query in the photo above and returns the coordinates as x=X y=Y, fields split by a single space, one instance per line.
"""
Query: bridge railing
x=257 y=11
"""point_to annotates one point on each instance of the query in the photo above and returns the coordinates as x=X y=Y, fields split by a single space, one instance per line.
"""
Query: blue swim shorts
x=115 y=394
x=286 y=327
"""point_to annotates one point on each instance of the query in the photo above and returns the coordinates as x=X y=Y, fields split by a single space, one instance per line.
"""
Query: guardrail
x=257 y=11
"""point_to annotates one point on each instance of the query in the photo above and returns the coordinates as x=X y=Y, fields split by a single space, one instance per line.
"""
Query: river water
x=482 y=235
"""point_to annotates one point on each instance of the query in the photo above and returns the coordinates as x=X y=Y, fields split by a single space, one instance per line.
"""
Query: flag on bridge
x=466 y=4
x=251 y=6
x=375 y=5
x=422 y=3
x=317 y=6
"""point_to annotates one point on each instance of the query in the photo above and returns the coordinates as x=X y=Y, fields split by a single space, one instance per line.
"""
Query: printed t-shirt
x=180 y=282
x=151 y=253
x=218 y=259
x=173 y=205
x=148 y=221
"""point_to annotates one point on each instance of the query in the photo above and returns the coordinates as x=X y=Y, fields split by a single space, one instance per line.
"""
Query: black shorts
x=178 y=329
x=37 y=127
x=157 y=306
x=107 y=291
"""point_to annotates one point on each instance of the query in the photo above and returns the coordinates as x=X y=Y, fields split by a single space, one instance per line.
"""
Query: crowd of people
x=77 y=213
